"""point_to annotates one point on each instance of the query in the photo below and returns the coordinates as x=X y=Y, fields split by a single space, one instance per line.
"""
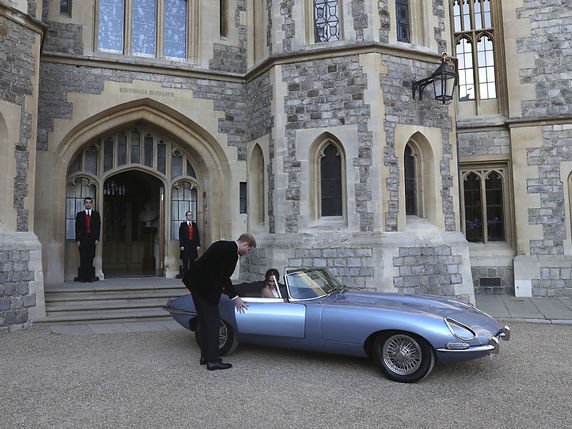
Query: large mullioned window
x=474 y=41
x=146 y=28
x=485 y=194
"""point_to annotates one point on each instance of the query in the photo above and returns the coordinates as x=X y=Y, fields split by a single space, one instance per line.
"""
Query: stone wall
x=21 y=280
x=425 y=112
x=491 y=280
x=434 y=270
x=64 y=38
x=479 y=143
x=15 y=297
x=551 y=215
x=259 y=94
x=549 y=43
x=17 y=67
x=61 y=80
x=232 y=58
x=322 y=94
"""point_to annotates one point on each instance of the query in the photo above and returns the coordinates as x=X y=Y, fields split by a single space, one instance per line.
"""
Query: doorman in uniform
x=189 y=240
x=87 y=227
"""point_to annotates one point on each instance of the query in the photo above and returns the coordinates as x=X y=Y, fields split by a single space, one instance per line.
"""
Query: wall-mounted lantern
x=444 y=81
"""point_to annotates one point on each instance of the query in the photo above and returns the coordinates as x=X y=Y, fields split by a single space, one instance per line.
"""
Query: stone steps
x=115 y=300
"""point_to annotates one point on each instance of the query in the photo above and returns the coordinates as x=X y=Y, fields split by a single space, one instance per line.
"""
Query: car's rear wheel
x=227 y=341
x=403 y=357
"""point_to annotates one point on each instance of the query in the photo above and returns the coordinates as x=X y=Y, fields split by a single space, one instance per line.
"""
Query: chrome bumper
x=492 y=347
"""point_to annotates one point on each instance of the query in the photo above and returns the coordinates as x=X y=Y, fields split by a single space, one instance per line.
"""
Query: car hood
x=420 y=304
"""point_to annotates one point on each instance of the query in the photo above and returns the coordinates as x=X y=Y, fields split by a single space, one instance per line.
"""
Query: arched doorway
x=142 y=182
x=186 y=157
x=132 y=237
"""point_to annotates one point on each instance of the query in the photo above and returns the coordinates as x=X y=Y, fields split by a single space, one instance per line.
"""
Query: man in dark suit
x=206 y=279
x=87 y=226
x=189 y=240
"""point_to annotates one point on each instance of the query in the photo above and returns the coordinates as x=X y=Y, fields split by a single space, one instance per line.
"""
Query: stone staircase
x=111 y=300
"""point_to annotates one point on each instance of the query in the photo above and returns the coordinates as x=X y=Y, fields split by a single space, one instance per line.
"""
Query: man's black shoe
x=212 y=366
x=203 y=361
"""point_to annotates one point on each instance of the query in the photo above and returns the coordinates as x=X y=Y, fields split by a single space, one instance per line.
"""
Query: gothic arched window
x=330 y=182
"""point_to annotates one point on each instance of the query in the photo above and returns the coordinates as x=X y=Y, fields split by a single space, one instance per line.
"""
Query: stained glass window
x=175 y=29
x=144 y=27
x=111 y=21
x=326 y=21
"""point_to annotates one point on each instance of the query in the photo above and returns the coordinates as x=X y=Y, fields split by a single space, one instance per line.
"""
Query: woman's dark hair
x=271 y=272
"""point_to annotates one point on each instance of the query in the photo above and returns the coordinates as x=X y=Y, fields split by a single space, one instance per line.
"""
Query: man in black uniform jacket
x=206 y=279
x=189 y=240
x=87 y=226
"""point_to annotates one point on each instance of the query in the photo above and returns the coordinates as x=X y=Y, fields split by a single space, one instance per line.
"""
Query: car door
x=272 y=317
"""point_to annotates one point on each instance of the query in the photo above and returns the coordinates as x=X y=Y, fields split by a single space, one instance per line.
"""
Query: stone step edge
x=72 y=297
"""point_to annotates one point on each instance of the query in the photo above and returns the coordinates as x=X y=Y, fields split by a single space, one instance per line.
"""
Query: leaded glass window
x=474 y=35
x=77 y=190
x=108 y=147
x=111 y=21
x=410 y=182
x=466 y=77
x=331 y=182
x=176 y=164
x=183 y=198
x=175 y=29
x=137 y=21
x=148 y=150
x=135 y=148
x=65 y=7
x=162 y=157
x=121 y=149
x=403 y=22
x=90 y=160
x=243 y=195
x=486 y=67
x=326 y=21
x=144 y=27
x=484 y=205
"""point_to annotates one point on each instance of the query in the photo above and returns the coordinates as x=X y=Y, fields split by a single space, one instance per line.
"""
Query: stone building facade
x=293 y=120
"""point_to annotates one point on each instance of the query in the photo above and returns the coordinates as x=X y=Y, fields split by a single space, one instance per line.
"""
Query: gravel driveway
x=153 y=380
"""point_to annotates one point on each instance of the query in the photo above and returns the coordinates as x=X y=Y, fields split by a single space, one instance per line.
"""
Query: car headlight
x=459 y=330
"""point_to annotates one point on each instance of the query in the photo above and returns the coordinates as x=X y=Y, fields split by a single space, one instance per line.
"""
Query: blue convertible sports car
x=404 y=334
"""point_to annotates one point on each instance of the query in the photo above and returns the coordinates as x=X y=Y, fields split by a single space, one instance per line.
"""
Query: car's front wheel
x=227 y=341
x=403 y=357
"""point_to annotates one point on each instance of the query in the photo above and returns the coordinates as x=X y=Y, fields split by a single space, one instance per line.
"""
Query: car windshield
x=306 y=284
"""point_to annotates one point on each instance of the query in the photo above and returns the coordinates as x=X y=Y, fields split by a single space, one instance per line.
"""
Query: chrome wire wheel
x=402 y=354
x=227 y=339
x=222 y=335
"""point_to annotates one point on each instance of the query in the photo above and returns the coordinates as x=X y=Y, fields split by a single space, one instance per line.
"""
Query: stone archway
x=211 y=165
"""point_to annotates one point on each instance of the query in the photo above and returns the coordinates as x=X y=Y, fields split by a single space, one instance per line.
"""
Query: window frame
x=315 y=156
x=399 y=23
x=483 y=170
x=191 y=29
x=473 y=35
x=311 y=23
